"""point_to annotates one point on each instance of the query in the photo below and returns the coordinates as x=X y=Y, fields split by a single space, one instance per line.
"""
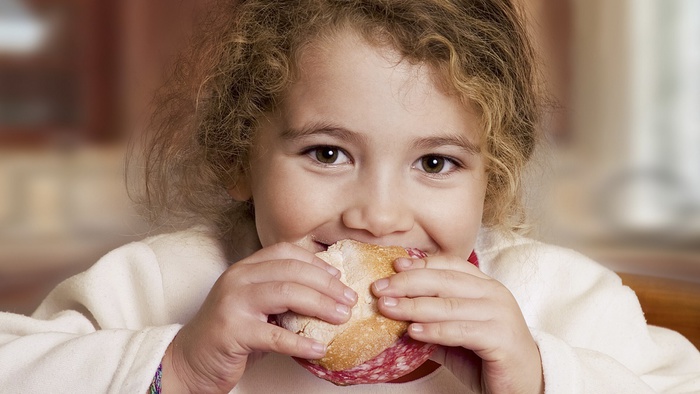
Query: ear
x=240 y=190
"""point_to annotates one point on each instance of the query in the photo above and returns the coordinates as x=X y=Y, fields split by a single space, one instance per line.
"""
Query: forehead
x=316 y=52
x=351 y=63
x=346 y=54
x=321 y=50
x=346 y=79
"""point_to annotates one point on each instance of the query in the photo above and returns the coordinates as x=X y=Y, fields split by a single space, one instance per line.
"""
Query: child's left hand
x=453 y=304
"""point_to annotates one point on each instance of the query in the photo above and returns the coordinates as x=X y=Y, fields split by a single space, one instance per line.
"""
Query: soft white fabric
x=106 y=329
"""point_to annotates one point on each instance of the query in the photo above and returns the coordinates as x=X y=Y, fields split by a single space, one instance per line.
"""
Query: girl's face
x=368 y=148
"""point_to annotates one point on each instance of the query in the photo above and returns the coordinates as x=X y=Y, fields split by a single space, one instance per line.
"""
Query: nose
x=380 y=208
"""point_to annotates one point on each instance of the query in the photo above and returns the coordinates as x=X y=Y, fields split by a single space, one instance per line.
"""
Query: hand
x=209 y=354
x=486 y=342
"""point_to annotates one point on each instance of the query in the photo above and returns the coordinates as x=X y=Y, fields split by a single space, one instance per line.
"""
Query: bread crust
x=367 y=333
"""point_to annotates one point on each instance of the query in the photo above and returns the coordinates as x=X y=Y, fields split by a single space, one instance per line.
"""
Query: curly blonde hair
x=245 y=57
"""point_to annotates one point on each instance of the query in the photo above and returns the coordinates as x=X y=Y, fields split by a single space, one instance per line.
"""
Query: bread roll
x=369 y=348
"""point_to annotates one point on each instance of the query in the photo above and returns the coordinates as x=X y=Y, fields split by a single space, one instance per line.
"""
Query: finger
x=434 y=309
x=302 y=273
x=449 y=263
x=474 y=335
x=433 y=283
x=285 y=250
x=272 y=298
x=271 y=338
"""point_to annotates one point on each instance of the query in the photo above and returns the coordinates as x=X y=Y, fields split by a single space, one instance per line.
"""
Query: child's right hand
x=209 y=353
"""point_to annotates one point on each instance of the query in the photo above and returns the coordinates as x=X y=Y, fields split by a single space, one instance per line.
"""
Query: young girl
x=301 y=123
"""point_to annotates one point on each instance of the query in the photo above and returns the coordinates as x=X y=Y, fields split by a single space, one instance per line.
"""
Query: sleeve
x=104 y=330
x=590 y=328
x=613 y=350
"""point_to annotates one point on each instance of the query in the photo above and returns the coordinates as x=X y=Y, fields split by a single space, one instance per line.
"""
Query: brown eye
x=327 y=154
x=433 y=164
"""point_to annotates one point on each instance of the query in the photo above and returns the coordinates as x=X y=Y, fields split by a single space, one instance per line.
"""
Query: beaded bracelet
x=155 y=383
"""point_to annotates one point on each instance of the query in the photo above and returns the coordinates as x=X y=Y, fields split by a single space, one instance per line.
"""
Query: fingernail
x=350 y=295
x=318 y=347
x=342 y=308
x=381 y=284
x=403 y=262
x=390 y=301
x=415 y=327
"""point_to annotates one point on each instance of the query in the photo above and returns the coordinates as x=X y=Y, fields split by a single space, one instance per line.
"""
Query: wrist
x=171 y=376
x=178 y=376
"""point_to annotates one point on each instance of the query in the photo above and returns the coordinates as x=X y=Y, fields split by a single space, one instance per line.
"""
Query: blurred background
x=619 y=179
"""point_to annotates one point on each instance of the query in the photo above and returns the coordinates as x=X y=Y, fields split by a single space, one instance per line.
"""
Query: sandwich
x=369 y=348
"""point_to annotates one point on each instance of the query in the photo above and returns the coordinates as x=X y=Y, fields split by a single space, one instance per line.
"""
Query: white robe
x=105 y=330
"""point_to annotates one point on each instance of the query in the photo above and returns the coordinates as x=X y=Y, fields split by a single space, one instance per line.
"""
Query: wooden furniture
x=670 y=303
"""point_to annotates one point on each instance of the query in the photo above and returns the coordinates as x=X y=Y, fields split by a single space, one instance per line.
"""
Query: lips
x=322 y=244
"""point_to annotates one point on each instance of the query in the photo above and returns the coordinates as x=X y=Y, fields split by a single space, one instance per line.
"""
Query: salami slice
x=404 y=356
x=416 y=253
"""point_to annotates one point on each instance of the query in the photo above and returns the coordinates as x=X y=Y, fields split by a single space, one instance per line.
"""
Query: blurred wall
x=76 y=79
x=620 y=178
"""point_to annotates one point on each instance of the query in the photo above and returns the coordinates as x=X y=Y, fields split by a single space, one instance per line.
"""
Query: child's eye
x=327 y=155
x=434 y=164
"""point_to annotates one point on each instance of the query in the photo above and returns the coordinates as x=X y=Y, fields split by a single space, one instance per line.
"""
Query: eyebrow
x=292 y=134
x=427 y=143
x=460 y=141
